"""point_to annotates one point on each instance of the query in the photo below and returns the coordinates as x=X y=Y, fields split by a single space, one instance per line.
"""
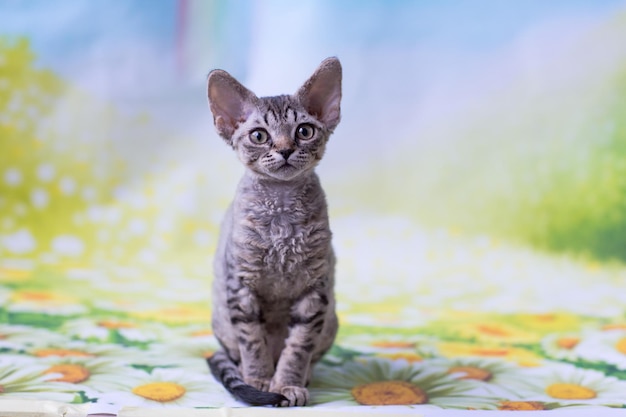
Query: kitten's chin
x=284 y=173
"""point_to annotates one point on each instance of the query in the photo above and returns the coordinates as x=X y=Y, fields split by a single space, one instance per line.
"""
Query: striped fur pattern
x=273 y=301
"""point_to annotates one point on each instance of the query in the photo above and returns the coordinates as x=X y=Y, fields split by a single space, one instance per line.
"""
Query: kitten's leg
x=305 y=325
x=257 y=365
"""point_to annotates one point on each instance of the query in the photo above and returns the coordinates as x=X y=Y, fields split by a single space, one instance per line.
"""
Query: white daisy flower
x=604 y=346
x=194 y=332
x=168 y=388
x=381 y=382
x=498 y=377
x=519 y=355
x=568 y=385
x=98 y=374
x=18 y=336
x=561 y=346
x=22 y=378
x=185 y=352
x=105 y=329
x=125 y=305
x=45 y=302
x=80 y=349
x=389 y=344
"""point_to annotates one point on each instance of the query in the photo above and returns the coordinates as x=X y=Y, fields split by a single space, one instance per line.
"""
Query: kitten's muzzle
x=286 y=153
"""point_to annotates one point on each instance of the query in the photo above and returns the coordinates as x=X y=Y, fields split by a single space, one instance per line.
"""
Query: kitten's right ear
x=231 y=103
x=321 y=93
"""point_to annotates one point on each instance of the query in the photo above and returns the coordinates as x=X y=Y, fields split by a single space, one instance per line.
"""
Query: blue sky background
x=65 y=28
x=413 y=61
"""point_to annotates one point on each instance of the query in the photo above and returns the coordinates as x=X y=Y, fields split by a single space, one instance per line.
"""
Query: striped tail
x=225 y=371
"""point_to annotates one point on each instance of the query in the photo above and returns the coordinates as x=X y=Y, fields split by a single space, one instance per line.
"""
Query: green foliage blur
x=541 y=162
x=552 y=176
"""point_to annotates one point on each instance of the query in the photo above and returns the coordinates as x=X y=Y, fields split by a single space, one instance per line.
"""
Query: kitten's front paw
x=261 y=384
x=296 y=396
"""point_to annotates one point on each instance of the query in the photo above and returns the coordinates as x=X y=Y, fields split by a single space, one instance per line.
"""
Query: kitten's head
x=283 y=136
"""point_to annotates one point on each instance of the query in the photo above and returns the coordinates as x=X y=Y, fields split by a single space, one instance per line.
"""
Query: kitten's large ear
x=321 y=94
x=231 y=103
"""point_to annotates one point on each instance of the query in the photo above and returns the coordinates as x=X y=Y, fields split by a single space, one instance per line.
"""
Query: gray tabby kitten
x=273 y=301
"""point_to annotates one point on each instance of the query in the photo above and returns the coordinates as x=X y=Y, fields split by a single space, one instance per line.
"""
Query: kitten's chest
x=285 y=234
x=289 y=234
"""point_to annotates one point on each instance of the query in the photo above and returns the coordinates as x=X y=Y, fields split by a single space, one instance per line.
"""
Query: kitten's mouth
x=285 y=171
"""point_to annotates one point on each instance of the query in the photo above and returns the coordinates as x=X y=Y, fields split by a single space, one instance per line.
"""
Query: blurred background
x=481 y=141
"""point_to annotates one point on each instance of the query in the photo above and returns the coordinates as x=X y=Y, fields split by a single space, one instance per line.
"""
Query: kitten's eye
x=305 y=131
x=259 y=136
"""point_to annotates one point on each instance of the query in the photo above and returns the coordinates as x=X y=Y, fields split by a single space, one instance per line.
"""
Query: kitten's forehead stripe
x=280 y=109
x=290 y=111
x=271 y=112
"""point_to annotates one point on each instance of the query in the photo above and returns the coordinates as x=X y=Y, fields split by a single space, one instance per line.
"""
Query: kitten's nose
x=285 y=153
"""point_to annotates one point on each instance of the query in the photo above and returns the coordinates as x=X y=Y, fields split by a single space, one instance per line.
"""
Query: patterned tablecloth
x=429 y=319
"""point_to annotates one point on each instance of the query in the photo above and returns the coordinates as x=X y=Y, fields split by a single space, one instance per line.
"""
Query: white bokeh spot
x=68 y=245
x=67 y=185
x=39 y=198
x=20 y=242
x=45 y=172
x=12 y=177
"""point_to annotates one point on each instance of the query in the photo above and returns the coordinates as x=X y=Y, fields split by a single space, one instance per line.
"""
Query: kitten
x=273 y=302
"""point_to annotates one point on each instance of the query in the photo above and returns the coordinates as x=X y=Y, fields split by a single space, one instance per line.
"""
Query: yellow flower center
x=176 y=314
x=1 y=389
x=42 y=353
x=3 y=336
x=71 y=373
x=471 y=372
x=389 y=393
x=36 y=296
x=201 y=333
x=112 y=325
x=621 y=345
x=545 y=317
x=521 y=356
x=617 y=326
x=521 y=405
x=160 y=391
x=493 y=330
x=409 y=357
x=208 y=354
x=17 y=274
x=567 y=342
x=393 y=344
x=565 y=391
x=490 y=352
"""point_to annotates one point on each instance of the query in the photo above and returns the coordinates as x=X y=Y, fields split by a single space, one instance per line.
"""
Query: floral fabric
x=414 y=341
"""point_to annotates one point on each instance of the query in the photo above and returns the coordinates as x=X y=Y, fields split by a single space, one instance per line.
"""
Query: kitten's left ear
x=321 y=94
